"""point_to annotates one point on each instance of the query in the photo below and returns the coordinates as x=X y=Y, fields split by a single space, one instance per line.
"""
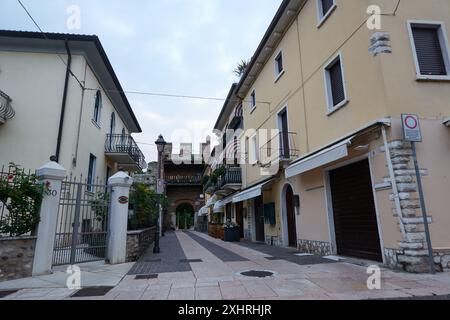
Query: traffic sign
x=411 y=128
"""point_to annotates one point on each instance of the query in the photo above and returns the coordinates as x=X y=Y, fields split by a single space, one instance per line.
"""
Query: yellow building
x=334 y=80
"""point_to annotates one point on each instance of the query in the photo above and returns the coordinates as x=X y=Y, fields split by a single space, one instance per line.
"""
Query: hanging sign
x=411 y=128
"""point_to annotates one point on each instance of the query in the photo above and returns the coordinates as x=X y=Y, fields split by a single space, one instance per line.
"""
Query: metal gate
x=82 y=224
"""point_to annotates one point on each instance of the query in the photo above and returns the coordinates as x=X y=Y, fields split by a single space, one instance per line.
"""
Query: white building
x=61 y=97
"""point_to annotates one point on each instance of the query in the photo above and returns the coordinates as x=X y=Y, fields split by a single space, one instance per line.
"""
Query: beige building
x=335 y=87
x=64 y=100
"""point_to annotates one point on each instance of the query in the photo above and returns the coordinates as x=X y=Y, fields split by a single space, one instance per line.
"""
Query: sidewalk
x=202 y=268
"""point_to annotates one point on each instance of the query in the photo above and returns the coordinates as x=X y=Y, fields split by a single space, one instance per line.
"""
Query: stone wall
x=319 y=248
x=413 y=253
x=16 y=257
x=138 y=242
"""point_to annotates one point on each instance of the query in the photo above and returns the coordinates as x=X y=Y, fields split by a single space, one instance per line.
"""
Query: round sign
x=411 y=123
x=123 y=200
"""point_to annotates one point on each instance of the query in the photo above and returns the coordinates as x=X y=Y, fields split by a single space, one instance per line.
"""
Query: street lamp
x=161 y=144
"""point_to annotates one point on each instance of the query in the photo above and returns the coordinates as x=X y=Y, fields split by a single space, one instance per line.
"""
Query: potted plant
x=232 y=233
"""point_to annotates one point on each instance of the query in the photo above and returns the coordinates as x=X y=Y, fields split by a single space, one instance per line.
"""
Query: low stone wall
x=138 y=242
x=315 y=247
x=16 y=257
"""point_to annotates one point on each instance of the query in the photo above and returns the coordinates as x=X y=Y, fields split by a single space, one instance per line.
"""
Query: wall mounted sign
x=123 y=200
x=411 y=128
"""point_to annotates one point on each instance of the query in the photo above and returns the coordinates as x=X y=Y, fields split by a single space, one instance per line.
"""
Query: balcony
x=123 y=150
x=281 y=149
x=183 y=181
x=6 y=111
x=231 y=181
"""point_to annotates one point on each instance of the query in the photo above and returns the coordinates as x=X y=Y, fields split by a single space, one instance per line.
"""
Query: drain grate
x=153 y=260
x=191 y=260
x=146 y=276
x=92 y=292
x=257 y=274
x=4 y=294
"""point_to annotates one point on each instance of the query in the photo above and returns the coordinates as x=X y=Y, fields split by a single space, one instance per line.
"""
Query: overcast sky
x=186 y=47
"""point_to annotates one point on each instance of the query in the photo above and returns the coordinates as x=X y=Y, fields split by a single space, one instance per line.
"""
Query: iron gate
x=82 y=224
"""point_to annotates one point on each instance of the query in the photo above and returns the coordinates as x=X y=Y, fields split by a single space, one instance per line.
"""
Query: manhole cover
x=257 y=274
x=92 y=292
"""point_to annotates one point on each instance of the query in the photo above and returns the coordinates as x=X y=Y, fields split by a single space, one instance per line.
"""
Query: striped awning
x=203 y=211
x=252 y=193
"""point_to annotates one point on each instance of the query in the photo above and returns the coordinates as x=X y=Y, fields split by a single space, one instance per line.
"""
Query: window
x=279 y=67
x=253 y=100
x=324 y=10
x=97 y=107
x=334 y=84
x=254 y=154
x=112 y=125
x=91 y=173
x=431 y=51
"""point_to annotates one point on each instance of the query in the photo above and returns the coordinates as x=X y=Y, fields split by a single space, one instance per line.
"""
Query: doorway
x=259 y=220
x=291 y=222
x=354 y=212
x=240 y=218
x=283 y=124
x=185 y=214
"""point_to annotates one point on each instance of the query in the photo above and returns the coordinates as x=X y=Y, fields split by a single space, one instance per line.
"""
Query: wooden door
x=291 y=222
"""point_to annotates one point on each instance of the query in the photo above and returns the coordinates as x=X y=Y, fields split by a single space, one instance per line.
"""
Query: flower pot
x=232 y=234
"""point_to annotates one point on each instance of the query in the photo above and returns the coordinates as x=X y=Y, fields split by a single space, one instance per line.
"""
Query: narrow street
x=193 y=266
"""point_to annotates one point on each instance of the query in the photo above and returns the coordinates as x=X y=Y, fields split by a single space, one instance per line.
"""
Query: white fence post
x=51 y=174
x=120 y=185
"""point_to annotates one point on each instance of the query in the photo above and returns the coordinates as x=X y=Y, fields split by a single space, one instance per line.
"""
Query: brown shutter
x=429 y=51
x=326 y=6
x=337 y=83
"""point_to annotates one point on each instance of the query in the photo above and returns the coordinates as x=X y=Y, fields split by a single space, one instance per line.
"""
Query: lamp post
x=161 y=144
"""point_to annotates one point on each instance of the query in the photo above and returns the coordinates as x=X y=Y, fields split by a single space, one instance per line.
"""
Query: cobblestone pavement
x=215 y=279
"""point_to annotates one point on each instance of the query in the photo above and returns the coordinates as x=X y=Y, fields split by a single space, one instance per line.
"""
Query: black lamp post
x=161 y=144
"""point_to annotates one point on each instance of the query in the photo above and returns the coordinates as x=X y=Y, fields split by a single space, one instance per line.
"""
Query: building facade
x=338 y=177
x=64 y=100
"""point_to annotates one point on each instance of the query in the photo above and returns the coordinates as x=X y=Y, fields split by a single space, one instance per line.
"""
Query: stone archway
x=185 y=216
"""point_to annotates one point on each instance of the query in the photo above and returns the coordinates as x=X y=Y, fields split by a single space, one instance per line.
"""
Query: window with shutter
x=429 y=50
x=335 y=86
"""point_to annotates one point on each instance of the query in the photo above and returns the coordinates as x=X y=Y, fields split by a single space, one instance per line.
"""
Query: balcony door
x=283 y=126
x=112 y=129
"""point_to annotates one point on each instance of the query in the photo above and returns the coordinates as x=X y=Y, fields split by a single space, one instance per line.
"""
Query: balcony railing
x=6 y=111
x=180 y=180
x=123 y=150
x=232 y=176
x=281 y=148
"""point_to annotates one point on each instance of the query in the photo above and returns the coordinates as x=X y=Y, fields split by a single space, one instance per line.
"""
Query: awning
x=331 y=154
x=219 y=206
x=212 y=201
x=203 y=211
x=447 y=122
x=251 y=193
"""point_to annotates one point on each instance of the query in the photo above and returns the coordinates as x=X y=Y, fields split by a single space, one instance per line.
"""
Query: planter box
x=216 y=231
x=16 y=257
x=232 y=234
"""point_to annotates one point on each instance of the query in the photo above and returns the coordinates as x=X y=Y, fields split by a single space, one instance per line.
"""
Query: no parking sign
x=411 y=128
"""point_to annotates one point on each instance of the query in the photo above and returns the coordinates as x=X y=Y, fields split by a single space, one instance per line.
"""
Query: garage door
x=354 y=212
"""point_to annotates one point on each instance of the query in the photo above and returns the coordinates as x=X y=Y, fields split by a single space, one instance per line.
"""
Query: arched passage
x=185 y=215
x=290 y=224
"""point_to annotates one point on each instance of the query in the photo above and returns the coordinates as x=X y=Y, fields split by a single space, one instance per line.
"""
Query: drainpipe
x=64 y=100
x=398 y=206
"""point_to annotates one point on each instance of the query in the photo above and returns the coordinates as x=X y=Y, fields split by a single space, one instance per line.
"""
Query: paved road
x=209 y=275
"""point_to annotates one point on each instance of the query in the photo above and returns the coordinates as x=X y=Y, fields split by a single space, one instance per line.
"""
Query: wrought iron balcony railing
x=6 y=111
x=281 y=148
x=232 y=176
x=181 y=180
x=124 y=150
